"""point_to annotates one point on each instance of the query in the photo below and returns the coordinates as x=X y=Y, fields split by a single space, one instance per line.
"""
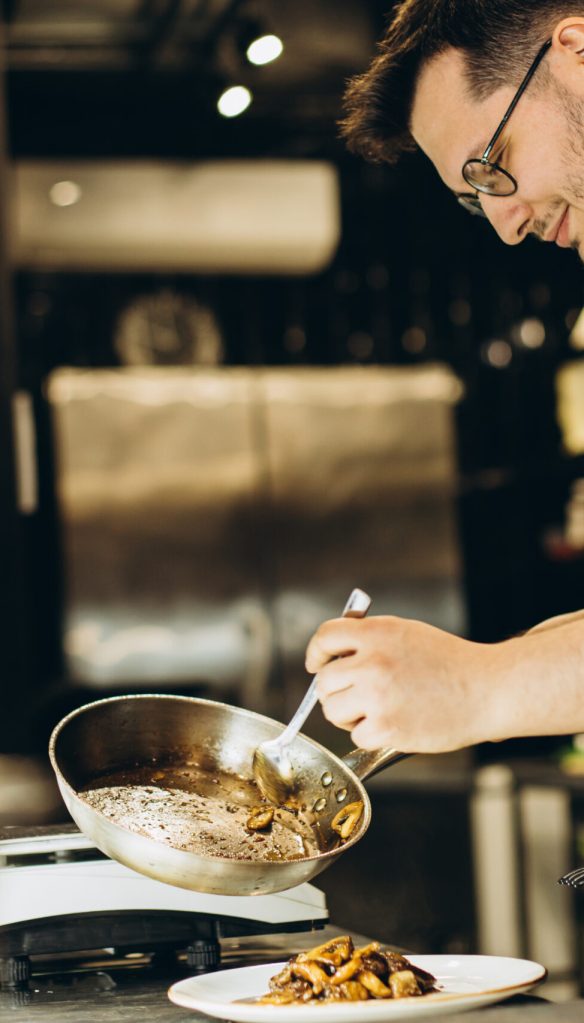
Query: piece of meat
x=310 y=971
x=350 y=991
x=336 y=952
x=376 y=963
x=346 y=820
x=281 y=979
x=403 y=984
x=374 y=985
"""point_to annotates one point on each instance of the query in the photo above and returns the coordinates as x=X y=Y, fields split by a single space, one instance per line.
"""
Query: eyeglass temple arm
x=538 y=59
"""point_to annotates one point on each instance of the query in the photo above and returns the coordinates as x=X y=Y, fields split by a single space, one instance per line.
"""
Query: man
x=492 y=91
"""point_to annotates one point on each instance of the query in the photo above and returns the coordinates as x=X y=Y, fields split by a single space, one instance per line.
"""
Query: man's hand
x=400 y=683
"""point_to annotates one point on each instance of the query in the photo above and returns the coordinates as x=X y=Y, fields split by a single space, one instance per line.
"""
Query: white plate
x=466 y=982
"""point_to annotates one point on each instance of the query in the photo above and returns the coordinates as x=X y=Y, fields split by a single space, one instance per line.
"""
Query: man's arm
x=398 y=682
x=552 y=623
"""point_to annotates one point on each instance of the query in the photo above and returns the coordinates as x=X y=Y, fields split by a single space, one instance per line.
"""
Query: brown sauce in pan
x=202 y=812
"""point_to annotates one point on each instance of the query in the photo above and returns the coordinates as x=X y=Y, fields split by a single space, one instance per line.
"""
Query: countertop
x=126 y=994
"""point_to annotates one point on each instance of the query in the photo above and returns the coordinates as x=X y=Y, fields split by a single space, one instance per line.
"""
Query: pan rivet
x=341 y=795
x=327 y=779
x=319 y=805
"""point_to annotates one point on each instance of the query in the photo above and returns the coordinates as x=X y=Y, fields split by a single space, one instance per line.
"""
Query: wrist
x=513 y=704
x=500 y=680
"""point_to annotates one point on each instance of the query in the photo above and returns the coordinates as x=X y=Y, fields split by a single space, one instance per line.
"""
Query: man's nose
x=508 y=215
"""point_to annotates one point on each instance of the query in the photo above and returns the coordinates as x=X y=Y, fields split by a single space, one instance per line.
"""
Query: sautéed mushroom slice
x=337 y=971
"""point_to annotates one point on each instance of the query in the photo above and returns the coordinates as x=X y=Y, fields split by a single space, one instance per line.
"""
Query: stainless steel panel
x=212 y=517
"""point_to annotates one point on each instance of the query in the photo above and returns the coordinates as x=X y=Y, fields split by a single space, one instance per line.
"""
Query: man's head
x=444 y=78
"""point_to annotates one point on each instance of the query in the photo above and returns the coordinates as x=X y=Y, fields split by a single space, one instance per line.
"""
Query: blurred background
x=241 y=372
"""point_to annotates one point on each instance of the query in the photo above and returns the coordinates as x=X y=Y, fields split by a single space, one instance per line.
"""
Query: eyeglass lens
x=489 y=178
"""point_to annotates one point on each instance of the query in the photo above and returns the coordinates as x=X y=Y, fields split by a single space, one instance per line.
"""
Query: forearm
x=553 y=623
x=540 y=680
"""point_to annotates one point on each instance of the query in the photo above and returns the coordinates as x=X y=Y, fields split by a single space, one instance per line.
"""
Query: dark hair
x=499 y=38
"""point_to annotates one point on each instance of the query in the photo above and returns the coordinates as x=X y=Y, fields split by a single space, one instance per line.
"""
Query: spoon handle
x=357 y=606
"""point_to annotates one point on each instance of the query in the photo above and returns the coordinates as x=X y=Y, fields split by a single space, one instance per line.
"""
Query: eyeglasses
x=488 y=177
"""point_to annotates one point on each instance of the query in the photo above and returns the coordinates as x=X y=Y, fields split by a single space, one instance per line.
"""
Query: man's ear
x=568 y=36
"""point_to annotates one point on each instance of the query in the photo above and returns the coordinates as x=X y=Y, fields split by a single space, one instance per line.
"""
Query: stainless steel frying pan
x=114 y=734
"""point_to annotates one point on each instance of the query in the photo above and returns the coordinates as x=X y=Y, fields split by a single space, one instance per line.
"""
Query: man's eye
x=490 y=170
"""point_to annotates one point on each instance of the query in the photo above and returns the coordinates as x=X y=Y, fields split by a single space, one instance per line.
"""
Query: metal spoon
x=272 y=768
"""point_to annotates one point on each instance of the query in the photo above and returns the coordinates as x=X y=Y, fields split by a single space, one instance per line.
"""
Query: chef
x=492 y=91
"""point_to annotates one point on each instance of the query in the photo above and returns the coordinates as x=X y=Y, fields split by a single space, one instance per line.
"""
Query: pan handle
x=367 y=762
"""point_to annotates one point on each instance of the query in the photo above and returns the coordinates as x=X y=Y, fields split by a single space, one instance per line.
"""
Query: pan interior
x=178 y=771
x=204 y=812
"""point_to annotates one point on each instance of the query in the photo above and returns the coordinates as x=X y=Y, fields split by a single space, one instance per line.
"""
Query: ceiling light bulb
x=234 y=101
x=264 y=49
x=65 y=193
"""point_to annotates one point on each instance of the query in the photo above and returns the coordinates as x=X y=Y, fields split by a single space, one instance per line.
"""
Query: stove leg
x=203 y=956
x=14 y=972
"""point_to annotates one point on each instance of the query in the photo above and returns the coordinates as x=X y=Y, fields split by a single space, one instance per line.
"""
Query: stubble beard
x=572 y=109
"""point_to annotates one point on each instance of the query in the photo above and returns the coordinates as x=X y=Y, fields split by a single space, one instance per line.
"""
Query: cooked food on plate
x=337 y=972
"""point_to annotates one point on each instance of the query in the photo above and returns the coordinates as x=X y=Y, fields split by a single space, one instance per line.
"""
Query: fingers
x=336 y=676
x=335 y=638
x=366 y=735
x=352 y=710
x=355 y=663
x=343 y=709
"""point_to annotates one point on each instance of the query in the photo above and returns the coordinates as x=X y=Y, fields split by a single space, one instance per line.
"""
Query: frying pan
x=126 y=731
